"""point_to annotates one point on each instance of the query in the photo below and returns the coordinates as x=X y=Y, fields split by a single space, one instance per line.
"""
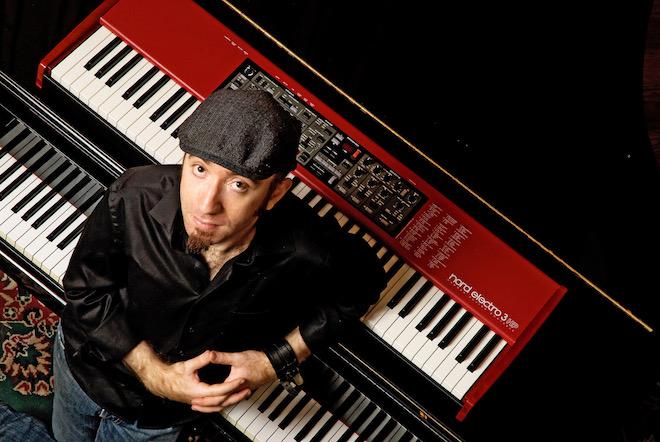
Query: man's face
x=220 y=206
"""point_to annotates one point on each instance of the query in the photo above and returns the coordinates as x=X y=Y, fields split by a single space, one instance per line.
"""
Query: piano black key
x=295 y=411
x=426 y=320
x=141 y=82
x=177 y=113
x=286 y=400
x=339 y=411
x=22 y=135
x=455 y=330
x=357 y=423
x=483 y=354
x=310 y=195
x=384 y=432
x=375 y=422
x=271 y=398
x=151 y=91
x=46 y=181
x=167 y=105
x=123 y=70
x=395 y=268
x=25 y=156
x=403 y=290
x=476 y=339
x=407 y=437
x=59 y=203
x=418 y=296
x=347 y=225
x=102 y=53
x=114 y=61
x=387 y=256
x=71 y=236
x=442 y=323
x=74 y=216
x=45 y=156
x=304 y=431
x=8 y=124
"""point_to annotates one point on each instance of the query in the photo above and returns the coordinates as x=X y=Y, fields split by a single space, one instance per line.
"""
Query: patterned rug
x=27 y=329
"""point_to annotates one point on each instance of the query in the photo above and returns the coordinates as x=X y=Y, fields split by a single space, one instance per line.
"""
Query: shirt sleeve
x=350 y=281
x=95 y=288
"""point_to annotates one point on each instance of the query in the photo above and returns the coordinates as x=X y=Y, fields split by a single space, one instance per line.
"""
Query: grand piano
x=402 y=388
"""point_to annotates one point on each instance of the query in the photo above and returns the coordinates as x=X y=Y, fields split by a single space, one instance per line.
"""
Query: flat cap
x=245 y=131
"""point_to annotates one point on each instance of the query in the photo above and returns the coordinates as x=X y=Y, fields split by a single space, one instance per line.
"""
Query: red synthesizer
x=460 y=304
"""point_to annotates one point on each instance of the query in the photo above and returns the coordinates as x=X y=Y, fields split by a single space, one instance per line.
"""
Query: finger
x=207 y=409
x=236 y=397
x=224 y=401
x=222 y=389
x=200 y=361
x=224 y=358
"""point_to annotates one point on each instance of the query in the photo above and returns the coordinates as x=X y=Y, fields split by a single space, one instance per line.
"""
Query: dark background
x=536 y=106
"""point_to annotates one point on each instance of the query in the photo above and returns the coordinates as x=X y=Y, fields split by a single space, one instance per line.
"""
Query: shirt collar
x=272 y=236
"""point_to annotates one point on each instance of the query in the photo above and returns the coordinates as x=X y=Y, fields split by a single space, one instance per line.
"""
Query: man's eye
x=199 y=169
x=239 y=185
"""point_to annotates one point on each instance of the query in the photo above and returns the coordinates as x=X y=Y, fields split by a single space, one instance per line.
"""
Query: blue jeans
x=20 y=426
x=77 y=418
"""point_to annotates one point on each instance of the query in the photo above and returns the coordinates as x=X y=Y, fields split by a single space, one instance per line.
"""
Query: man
x=193 y=285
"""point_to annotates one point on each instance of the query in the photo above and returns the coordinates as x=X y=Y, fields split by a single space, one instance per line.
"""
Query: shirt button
x=191 y=330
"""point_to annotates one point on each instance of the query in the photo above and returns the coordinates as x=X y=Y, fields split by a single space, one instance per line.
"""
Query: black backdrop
x=537 y=106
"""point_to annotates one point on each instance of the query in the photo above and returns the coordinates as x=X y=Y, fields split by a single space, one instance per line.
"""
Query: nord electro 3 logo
x=482 y=301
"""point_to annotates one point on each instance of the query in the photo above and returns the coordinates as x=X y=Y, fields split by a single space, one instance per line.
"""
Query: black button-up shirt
x=130 y=279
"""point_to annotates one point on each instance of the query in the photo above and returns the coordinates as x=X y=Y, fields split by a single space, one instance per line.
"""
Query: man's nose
x=211 y=199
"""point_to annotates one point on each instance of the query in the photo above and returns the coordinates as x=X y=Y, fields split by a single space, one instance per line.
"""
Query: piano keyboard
x=431 y=330
x=421 y=322
x=128 y=92
x=44 y=198
x=335 y=411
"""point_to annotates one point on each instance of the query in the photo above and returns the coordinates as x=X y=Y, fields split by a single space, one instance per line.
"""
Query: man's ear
x=281 y=188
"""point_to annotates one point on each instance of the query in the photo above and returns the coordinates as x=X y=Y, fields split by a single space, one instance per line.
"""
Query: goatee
x=198 y=242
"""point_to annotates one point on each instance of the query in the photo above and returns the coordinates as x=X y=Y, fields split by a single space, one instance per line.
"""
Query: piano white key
x=106 y=105
x=428 y=346
x=235 y=412
x=49 y=248
x=304 y=192
x=105 y=93
x=288 y=433
x=131 y=121
x=315 y=429
x=298 y=187
x=402 y=342
x=9 y=218
x=77 y=55
x=93 y=84
x=163 y=144
x=461 y=368
x=314 y=201
x=403 y=330
x=262 y=420
x=124 y=107
x=377 y=310
x=441 y=373
x=153 y=127
x=271 y=427
x=470 y=378
x=378 y=326
x=439 y=355
x=78 y=77
x=396 y=322
x=325 y=210
x=334 y=432
x=143 y=121
x=390 y=263
x=176 y=157
x=58 y=271
x=253 y=411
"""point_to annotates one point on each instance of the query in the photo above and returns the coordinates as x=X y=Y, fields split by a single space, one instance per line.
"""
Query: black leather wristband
x=285 y=363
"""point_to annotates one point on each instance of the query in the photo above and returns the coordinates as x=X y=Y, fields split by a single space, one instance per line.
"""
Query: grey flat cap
x=245 y=131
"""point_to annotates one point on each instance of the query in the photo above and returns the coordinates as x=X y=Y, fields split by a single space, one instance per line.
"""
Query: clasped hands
x=180 y=381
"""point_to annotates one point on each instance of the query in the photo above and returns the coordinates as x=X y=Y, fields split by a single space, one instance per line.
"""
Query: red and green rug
x=27 y=329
